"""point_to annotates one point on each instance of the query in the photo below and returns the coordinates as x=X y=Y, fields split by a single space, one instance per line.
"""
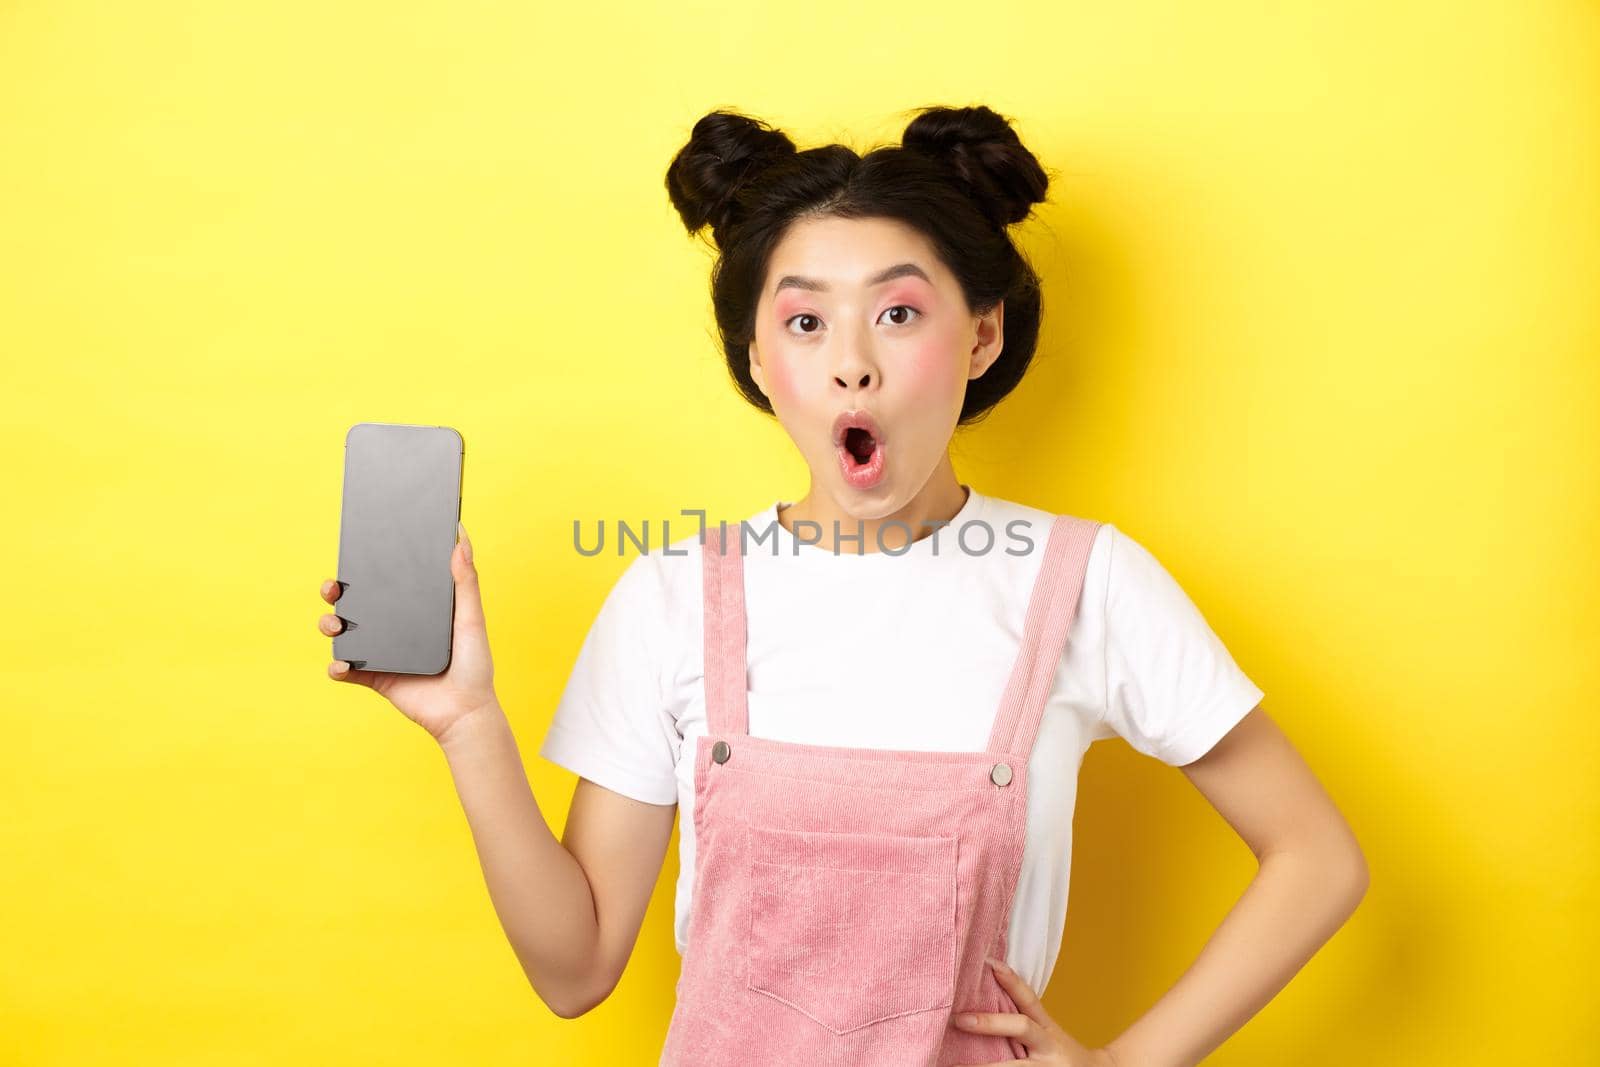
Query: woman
x=872 y=727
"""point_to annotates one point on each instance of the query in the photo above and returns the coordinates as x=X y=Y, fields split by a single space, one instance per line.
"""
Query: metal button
x=720 y=752
x=1001 y=774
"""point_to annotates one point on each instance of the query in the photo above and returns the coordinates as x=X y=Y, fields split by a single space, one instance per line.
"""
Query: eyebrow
x=899 y=270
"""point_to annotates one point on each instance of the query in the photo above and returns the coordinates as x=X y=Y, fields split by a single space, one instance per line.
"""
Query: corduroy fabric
x=845 y=898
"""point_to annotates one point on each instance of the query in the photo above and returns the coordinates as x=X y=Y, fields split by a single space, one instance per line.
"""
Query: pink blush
x=776 y=372
x=931 y=366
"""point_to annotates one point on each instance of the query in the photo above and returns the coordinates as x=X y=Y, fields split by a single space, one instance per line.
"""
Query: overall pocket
x=852 y=929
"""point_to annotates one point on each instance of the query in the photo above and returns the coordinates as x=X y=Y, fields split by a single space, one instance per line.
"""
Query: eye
x=902 y=307
x=906 y=308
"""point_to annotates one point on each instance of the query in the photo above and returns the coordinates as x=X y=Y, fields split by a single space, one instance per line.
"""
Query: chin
x=868 y=505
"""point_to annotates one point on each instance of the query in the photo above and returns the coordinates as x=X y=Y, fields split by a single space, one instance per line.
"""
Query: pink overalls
x=844 y=898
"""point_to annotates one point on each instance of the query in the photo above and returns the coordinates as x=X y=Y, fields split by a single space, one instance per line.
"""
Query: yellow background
x=1321 y=331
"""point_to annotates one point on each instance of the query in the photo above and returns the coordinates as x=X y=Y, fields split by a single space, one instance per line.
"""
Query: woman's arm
x=1311 y=876
x=572 y=908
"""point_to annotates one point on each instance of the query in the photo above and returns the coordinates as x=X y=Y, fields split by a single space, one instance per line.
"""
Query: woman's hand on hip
x=1046 y=1041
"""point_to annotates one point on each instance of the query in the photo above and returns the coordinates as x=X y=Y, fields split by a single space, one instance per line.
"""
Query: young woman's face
x=860 y=316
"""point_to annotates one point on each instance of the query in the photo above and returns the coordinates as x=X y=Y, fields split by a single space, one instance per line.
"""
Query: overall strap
x=722 y=560
x=1051 y=608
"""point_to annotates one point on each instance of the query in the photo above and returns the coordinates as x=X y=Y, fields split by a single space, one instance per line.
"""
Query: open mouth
x=860 y=444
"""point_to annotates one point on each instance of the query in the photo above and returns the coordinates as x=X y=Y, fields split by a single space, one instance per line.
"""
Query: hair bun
x=986 y=155
x=725 y=150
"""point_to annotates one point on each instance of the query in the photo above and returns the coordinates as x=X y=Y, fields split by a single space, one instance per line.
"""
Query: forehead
x=846 y=252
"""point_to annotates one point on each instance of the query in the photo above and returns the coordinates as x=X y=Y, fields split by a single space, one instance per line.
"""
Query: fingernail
x=966 y=1020
x=466 y=545
x=998 y=965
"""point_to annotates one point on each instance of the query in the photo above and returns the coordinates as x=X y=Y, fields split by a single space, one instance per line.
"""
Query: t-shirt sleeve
x=611 y=725
x=1172 y=688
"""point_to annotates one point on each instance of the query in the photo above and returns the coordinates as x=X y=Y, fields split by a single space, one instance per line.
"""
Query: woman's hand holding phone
x=436 y=702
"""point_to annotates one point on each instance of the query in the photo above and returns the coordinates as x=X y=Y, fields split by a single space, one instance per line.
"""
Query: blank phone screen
x=397 y=530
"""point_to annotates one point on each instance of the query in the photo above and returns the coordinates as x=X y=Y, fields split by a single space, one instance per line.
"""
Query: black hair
x=960 y=176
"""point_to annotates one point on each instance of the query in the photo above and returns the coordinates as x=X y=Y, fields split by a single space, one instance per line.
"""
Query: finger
x=1003 y=1023
x=1024 y=996
x=331 y=590
x=469 y=600
x=330 y=624
x=340 y=671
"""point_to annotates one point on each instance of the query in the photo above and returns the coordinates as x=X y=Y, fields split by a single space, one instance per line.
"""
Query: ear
x=991 y=337
x=756 y=373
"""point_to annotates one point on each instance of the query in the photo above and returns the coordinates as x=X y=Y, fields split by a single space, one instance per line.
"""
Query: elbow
x=560 y=1006
x=1341 y=869
x=1349 y=867
x=576 y=1001
x=1335 y=866
x=569 y=1012
x=1355 y=876
x=569 y=1008
x=570 y=987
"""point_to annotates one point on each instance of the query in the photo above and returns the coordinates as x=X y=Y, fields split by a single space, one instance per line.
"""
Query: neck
x=939 y=500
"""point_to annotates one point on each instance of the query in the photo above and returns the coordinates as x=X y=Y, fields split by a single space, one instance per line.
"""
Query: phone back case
x=397 y=530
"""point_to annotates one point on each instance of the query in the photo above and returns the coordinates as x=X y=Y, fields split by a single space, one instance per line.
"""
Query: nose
x=856 y=369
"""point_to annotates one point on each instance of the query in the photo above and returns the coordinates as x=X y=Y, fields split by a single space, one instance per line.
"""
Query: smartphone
x=397 y=529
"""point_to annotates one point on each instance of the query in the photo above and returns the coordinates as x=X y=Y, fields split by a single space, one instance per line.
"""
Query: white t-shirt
x=902 y=650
